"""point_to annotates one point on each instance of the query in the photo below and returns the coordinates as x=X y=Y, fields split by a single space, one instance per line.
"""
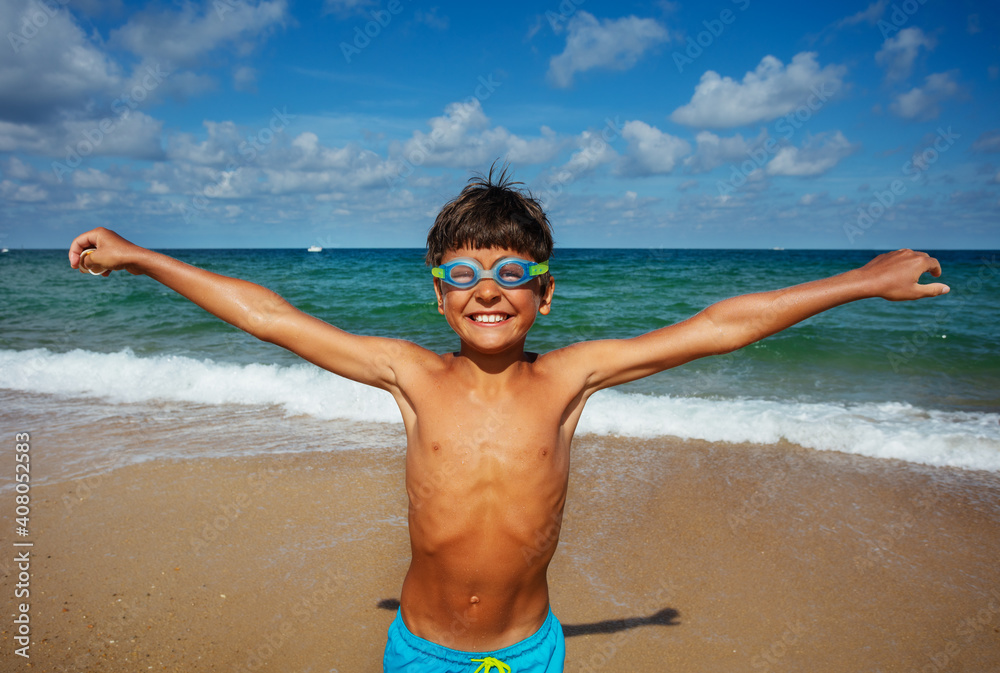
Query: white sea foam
x=124 y=377
x=885 y=430
x=888 y=430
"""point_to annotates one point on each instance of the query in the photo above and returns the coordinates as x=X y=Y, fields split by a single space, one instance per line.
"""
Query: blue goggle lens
x=509 y=272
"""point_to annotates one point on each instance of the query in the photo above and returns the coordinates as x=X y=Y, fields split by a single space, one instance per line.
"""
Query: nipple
x=474 y=599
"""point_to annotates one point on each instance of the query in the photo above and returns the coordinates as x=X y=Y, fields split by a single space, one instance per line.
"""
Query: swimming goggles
x=508 y=272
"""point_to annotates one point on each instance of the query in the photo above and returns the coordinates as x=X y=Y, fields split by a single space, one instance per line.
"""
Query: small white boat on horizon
x=4 y=250
x=314 y=248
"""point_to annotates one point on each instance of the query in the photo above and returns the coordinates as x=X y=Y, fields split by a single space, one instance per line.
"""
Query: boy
x=489 y=428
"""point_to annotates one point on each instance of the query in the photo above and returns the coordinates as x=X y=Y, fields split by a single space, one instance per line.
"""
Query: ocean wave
x=124 y=377
x=962 y=439
x=898 y=430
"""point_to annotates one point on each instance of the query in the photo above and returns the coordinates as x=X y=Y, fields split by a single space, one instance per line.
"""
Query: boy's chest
x=509 y=431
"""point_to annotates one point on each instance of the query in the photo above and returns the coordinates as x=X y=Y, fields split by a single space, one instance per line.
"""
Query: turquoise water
x=936 y=359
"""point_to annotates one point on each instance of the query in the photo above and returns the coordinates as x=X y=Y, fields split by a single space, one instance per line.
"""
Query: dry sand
x=685 y=556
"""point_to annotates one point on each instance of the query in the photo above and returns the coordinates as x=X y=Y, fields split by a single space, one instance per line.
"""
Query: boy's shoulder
x=569 y=363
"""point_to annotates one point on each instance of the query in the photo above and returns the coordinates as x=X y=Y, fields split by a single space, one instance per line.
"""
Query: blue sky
x=349 y=123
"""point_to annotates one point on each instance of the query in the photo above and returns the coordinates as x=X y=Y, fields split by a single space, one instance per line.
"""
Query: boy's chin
x=492 y=346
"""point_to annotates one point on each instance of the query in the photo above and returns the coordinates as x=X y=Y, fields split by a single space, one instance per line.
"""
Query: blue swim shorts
x=543 y=652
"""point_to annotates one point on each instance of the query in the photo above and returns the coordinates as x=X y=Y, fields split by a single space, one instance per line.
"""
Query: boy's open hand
x=111 y=252
x=895 y=275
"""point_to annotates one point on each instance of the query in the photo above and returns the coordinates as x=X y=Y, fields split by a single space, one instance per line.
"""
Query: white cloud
x=12 y=191
x=592 y=151
x=535 y=150
x=713 y=151
x=630 y=206
x=767 y=93
x=300 y=165
x=91 y=178
x=869 y=15
x=310 y=166
x=989 y=141
x=223 y=163
x=899 y=52
x=23 y=137
x=220 y=146
x=63 y=96
x=609 y=44
x=135 y=135
x=245 y=79
x=357 y=169
x=184 y=84
x=449 y=140
x=818 y=155
x=650 y=150
x=308 y=154
x=57 y=69
x=182 y=37
x=18 y=170
x=62 y=74
x=345 y=8
x=431 y=19
x=99 y=7
x=922 y=103
x=811 y=199
x=463 y=137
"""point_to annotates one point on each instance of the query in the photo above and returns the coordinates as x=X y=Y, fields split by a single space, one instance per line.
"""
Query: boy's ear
x=440 y=296
x=546 y=304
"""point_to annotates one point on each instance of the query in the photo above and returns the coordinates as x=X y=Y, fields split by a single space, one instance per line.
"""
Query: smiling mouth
x=489 y=318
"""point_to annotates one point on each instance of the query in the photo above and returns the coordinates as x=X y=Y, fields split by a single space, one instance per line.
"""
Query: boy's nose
x=487 y=289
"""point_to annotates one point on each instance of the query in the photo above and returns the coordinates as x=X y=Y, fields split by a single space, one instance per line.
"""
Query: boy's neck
x=494 y=364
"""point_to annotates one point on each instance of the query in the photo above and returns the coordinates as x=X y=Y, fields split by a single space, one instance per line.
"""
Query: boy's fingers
x=933 y=267
x=80 y=243
x=86 y=241
x=87 y=265
x=935 y=289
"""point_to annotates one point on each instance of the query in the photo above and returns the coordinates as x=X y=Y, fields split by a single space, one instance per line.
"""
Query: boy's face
x=487 y=316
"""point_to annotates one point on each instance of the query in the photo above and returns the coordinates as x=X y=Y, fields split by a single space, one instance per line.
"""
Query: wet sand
x=675 y=555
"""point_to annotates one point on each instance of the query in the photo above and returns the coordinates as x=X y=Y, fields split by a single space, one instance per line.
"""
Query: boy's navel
x=474 y=599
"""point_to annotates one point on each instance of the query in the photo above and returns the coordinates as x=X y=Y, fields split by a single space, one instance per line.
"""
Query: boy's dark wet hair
x=491 y=212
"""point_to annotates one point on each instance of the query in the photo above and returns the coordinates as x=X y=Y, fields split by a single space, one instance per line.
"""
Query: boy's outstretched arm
x=736 y=322
x=250 y=307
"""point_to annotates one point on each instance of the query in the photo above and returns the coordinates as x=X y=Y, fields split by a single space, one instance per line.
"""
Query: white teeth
x=488 y=317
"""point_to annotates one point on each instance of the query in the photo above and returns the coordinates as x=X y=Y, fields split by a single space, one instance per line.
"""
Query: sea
x=106 y=364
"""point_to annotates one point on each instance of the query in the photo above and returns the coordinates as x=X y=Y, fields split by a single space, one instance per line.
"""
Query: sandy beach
x=675 y=555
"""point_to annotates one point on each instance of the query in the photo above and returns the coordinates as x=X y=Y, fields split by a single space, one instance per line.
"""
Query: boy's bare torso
x=487 y=466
